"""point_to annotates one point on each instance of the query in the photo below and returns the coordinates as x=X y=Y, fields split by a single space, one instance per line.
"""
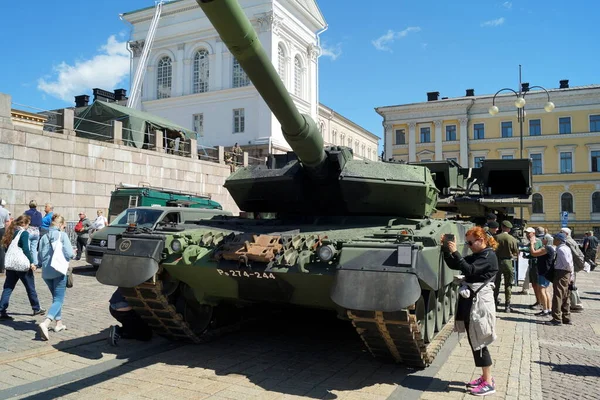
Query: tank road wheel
x=444 y=297
x=430 y=311
x=439 y=311
x=198 y=316
x=453 y=294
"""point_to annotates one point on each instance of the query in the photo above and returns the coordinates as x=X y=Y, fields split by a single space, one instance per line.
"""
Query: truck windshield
x=143 y=217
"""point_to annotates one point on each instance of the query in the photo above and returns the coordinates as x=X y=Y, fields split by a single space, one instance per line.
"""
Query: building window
x=564 y=125
x=281 y=62
x=536 y=164
x=595 y=161
x=478 y=162
x=507 y=157
x=566 y=202
x=425 y=135
x=450 y=133
x=400 y=136
x=507 y=129
x=334 y=137
x=238 y=120
x=298 y=76
x=538 y=204
x=594 y=123
x=566 y=162
x=350 y=142
x=535 y=127
x=199 y=124
x=478 y=131
x=240 y=79
x=164 y=76
x=201 y=72
x=596 y=202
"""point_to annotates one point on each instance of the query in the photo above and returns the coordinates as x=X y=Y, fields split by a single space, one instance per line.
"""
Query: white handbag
x=15 y=259
x=58 y=261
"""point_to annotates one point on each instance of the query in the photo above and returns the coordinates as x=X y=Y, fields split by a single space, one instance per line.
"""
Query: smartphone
x=449 y=237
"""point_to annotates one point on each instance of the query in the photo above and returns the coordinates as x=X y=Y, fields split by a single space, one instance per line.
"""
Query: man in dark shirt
x=134 y=327
x=590 y=247
x=507 y=250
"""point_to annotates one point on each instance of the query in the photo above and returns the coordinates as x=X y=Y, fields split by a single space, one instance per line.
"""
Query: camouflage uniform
x=507 y=249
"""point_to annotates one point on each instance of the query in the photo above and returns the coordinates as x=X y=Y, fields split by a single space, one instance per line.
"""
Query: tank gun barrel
x=239 y=36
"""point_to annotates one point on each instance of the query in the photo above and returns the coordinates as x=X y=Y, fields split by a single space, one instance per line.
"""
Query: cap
x=491 y=216
x=507 y=224
x=566 y=230
x=540 y=231
x=493 y=225
x=530 y=230
x=2 y=202
x=33 y=204
x=561 y=236
x=548 y=237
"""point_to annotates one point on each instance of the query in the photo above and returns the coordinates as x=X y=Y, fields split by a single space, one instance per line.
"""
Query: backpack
x=578 y=257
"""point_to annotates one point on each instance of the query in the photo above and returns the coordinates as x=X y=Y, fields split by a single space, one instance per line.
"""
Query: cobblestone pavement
x=85 y=313
x=533 y=360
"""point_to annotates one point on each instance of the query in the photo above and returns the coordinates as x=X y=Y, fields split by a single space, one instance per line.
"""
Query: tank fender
x=132 y=261
x=373 y=278
x=375 y=291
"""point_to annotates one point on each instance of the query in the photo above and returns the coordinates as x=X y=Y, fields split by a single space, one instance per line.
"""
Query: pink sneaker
x=478 y=381
x=483 y=389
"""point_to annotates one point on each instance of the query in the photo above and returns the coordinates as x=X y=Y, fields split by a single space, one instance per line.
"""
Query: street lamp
x=520 y=104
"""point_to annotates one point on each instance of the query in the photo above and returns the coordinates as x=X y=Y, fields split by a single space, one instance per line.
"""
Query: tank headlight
x=326 y=253
x=176 y=245
x=102 y=243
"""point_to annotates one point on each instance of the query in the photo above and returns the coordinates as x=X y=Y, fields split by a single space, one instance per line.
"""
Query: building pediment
x=309 y=9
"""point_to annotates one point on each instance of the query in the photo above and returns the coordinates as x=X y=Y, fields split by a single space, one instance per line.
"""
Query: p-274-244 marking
x=246 y=274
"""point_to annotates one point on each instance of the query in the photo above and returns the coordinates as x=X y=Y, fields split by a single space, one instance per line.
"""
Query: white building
x=193 y=80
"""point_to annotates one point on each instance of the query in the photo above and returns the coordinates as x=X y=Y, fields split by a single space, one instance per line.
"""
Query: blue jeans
x=57 y=287
x=33 y=247
x=12 y=277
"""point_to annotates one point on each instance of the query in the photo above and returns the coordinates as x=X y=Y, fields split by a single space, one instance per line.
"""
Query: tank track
x=154 y=307
x=395 y=336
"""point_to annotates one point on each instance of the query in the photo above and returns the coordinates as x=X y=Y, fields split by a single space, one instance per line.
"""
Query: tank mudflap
x=395 y=336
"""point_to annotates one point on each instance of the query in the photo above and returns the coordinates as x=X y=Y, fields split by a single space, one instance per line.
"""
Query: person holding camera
x=476 y=311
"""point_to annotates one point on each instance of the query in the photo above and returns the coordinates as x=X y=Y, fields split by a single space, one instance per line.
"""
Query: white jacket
x=482 y=319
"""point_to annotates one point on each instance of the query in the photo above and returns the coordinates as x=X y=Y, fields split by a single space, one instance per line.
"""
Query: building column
x=178 y=87
x=311 y=93
x=464 y=142
x=388 y=142
x=438 y=140
x=412 y=142
x=215 y=80
x=187 y=77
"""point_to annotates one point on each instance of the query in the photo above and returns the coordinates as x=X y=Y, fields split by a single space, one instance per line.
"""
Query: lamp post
x=520 y=104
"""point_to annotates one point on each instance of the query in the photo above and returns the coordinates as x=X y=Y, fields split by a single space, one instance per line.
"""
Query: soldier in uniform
x=507 y=250
x=492 y=228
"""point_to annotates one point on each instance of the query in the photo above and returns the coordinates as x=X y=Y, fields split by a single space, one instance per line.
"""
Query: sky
x=377 y=53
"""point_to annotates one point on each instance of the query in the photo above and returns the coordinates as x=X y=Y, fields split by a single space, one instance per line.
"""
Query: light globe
x=520 y=102
x=493 y=110
x=549 y=106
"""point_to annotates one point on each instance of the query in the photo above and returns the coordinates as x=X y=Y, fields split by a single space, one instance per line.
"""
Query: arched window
x=281 y=62
x=164 y=76
x=596 y=202
x=201 y=72
x=538 y=204
x=298 y=77
x=240 y=78
x=566 y=202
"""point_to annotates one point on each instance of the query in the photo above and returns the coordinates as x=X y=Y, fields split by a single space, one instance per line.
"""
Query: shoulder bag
x=16 y=260
x=58 y=261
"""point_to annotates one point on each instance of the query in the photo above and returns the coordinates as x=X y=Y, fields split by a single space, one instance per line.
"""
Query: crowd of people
x=552 y=260
x=34 y=241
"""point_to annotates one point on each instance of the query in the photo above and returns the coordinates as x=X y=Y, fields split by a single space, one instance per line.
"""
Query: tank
x=318 y=230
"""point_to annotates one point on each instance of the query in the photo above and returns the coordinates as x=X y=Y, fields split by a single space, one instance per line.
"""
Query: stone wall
x=77 y=174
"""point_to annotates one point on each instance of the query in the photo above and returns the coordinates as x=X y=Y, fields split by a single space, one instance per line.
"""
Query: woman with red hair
x=476 y=311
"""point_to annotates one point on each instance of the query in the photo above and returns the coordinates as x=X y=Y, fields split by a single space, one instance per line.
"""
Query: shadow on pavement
x=304 y=352
x=573 y=369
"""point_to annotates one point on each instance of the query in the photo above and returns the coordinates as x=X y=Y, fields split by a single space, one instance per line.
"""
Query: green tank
x=319 y=230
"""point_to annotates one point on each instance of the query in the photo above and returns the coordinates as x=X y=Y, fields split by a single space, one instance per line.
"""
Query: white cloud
x=382 y=43
x=332 y=52
x=507 y=4
x=493 y=23
x=105 y=70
